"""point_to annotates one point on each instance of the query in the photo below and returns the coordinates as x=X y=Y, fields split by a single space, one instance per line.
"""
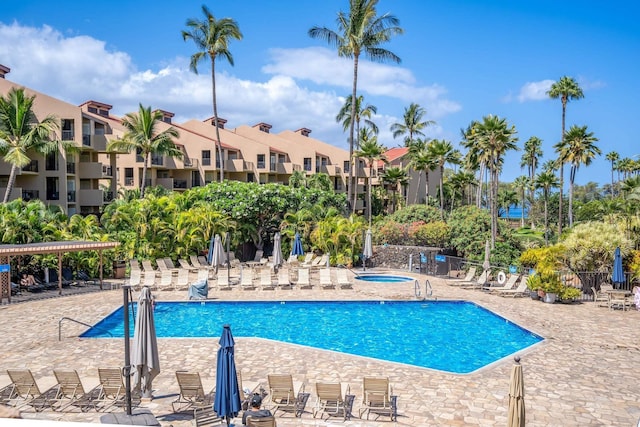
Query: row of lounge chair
x=68 y=393
x=332 y=399
x=515 y=285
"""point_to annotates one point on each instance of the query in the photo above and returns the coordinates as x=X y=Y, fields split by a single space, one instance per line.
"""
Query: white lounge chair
x=325 y=279
x=342 y=279
x=304 y=281
x=265 y=280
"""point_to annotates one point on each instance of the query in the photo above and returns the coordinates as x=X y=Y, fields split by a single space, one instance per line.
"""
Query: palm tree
x=212 y=37
x=142 y=135
x=360 y=31
x=567 y=88
x=507 y=198
x=495 y=137
x=613 y=157
x=412 y=124
x=420 y=161
x=530 y=157
x=21 y=133
x=521 y=184
x=297 y=179
x=372 y=151
x=577 y=149
x=442 y=153
x=546 y=181
x=476 y=158
x=394 y=176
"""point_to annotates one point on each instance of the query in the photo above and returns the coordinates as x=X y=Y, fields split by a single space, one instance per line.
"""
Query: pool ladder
x=428 y=290
x=76 y=321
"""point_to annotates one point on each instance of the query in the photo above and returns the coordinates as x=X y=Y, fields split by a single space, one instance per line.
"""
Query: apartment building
x=416 y=190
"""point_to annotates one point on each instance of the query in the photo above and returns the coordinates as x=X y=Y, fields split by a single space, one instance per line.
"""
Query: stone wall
x=397 y=257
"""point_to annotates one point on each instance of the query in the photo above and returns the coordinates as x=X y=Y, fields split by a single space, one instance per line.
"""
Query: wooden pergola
x=60 y=248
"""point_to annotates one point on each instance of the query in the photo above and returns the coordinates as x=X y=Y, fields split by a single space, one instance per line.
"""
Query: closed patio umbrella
x=217 y=257
x=277 y=250
x=144 y=352
x=367 y=252
x=516 y=414
x=297 y=248
x=617 y=277
x=227 y=402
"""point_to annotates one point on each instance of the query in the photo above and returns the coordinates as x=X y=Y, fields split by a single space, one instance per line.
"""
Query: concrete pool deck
x=586 y=372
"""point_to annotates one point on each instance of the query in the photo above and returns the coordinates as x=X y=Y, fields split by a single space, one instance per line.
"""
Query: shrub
x=391 y=233
x=415 y=213
x=432 y=234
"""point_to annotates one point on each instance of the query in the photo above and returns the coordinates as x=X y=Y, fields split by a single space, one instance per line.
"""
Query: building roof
x=55 y=247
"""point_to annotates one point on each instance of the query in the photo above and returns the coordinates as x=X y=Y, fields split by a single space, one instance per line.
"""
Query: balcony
x=27 y=195
x=128 y=182
x=16 y=193
x=71 y=196
x=331 y=170
x=157 y=160
x=97 y=142
x=71 y=168
x=287 y=168
x=235 y=165
x=94 y=170
x=31 y=167
x=91 y=197
x=67 y=135
x=53 y=195
x=190 y=162
x=107 y=196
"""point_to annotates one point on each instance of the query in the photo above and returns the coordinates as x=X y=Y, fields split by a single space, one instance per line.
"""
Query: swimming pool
x=383 y=278
x=453 y=336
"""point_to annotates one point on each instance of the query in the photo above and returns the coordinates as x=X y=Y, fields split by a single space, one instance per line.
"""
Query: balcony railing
x=71 y=196
x=31 y=167
x=53 y=195
x=67 y=135
x=107 y=171
x=71 y=168
x=180 y=183
x=157 y=160
x=107 y=196
x=30 y=195
x=128 y=182
x=190 y=162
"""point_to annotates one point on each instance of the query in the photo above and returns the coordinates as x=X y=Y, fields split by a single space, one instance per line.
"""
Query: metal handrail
x=78 y=322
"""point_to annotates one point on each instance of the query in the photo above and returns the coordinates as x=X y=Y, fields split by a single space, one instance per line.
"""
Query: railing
x=30 y=195
x=180 y=183
x=106 y=170
x=31 y=167
x=107 y=196
x=128 y=182
x=157 y=160
x=67 y=135
x=79 y=323
x=71 y=196
x=54 y=195
x=71 y=168
x=86 y=140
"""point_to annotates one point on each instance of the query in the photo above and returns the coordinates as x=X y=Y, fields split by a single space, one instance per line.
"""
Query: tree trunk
x=564 y=111
x=215 y=118
x=369 y=191
x=351 y=132
x=546 y=219
x=441 y=192
x=572 y=177
x=10 y=183
x=144 y=174
x=415 y=199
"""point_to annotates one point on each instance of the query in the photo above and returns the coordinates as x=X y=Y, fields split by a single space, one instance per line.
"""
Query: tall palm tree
x=360 y=31
x=142 y=135
x=521 y=184
x=565 y=89
x=476 y=158
x=212 y=37
x=395 y=176
x=530 y=157
x=612 y=157
x=21 y=134
x=443 y=152
x=495 y=138
x=421 y=161
x=412 y=124
x=506 y=199
x=546 y=181
x=372 y=151
x=578 y=148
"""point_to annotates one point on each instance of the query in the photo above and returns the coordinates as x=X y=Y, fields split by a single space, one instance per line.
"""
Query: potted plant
x=569 y=294
x=535 y=286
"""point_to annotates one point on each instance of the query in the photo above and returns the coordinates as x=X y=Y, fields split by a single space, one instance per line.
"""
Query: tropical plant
x=521 y=184
x=393 y=177
x=612 y=157
x=142 y=135
x=360 y=31
x=297 y=179
x=506 y=199
x=363 y=112
x=577 y=148
x=565 y=89
x=412 y=124
x=530 y=157
x=212 y=38
x=21 y=134
x=415 y=213
x=372 y=151
x=546 y=181
x=421 y=161
x=442 y=153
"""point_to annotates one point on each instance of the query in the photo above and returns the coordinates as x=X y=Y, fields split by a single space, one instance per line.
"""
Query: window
x=260 y=161
x=346 y=166
x=128 y=177
x=233 y=155
x=307 y=164
x=51 y=163
x=139 y=156
x=52 y=188
x=272 y=162
x=251 y=177
x=67 y=130
x=282 y=158
x=206 y=157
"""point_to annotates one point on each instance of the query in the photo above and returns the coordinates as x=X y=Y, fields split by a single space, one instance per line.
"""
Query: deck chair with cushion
x=304 y=280
x=377 y=398
x=246 y=281
x=261 y=422
x=520 y=291
x=308 y=258
x=184 y=264
x=284 y=397
x=509 y=284
x=192 y=392
x=325 y=279
x=284 y=282
x=471 y=273
x=477 y=284
x=25 y=391
x=343 y=280
x=265 y=279
x=71 y=392
x=332 y=402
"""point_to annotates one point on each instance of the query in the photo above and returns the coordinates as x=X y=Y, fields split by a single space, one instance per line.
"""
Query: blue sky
x=461 y=61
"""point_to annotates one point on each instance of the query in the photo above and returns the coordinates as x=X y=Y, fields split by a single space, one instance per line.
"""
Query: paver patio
x=586 y=372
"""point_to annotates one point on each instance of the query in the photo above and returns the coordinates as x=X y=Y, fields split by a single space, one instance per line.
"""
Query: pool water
x=383 y=278
x=453 y=336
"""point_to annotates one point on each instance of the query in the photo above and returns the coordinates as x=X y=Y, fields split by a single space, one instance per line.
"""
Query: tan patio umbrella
x=516 y=414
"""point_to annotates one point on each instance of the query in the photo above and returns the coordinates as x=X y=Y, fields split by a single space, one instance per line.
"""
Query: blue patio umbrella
x=617 y=277
x=297 y=249
x=227 y=402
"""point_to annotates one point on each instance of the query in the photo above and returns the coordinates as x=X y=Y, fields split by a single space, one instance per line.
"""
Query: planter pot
x=534 y=295
x=550 y=297
x=540 y=293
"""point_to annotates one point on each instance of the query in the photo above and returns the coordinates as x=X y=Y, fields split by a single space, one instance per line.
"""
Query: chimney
x=264 y=127
x=4 y=71
x=304 y=131
x=166 y=115
x=96 y=107
x=221 y=122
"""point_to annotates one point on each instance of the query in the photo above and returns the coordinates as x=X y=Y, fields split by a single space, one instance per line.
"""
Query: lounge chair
x=168 y=262
x=223 y=281
x=261 y=422
x=304 y=282
x=601 y=297
x=509 y=284
x=147 y=267
x=476 y=284
x=265 y=279
x=135 y=279
x=195 y=261
x=166 y=281
x=246 y=282
x=325 y=279
x=25 y=391
x=519 y=291
x=283 y=396
x=70 y=388
x=182 y=281
x=283 y=279
x=342 y=279
x=111 y=390
x=206 y=417
x=471 y=273
x=191 y=392
x=308 y=259
x=149 y=279
x=204 y=262
x=320 y=262
x=184 y=264
x=377 y=398
x=332 y=402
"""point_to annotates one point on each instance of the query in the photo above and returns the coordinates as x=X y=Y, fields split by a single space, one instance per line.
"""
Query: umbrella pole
x=126 y=371
x=228 y=259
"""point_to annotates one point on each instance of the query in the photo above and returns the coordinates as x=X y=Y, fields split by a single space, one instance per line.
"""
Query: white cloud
x=534 y=91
